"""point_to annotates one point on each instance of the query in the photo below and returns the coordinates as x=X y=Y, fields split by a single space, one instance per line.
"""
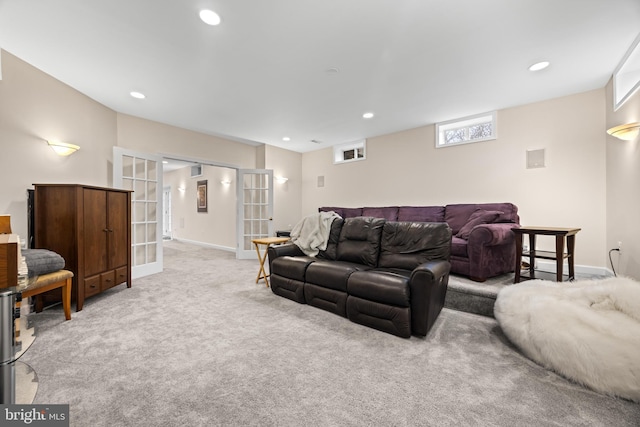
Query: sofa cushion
x=421 y=213
x=390 y=213
x=406 y=244
x=381 y=285
x=360 y=240
x=339 y=211
x=291 y=267
x=332 y=274
x=459 y=247
x=332 y=244
x=458 y=215
x=480 y=216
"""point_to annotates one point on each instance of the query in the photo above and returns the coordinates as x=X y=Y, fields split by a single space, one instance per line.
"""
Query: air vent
x=196 y=171
x=535 y=158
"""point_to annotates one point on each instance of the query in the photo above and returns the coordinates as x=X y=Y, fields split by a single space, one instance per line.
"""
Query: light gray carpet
x=202 y=345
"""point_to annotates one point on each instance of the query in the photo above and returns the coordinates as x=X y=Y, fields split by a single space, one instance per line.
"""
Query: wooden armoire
x=90 y=227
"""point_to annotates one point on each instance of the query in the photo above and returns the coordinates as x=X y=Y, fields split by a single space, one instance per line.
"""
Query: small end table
x=559 y=255
x=266 y=241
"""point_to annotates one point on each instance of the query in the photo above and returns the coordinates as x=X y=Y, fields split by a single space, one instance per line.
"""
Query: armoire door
x=95 y=231
x=118 y=224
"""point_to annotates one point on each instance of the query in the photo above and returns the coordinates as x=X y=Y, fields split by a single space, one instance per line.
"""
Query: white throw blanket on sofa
x=588 y=331
x=311 y=234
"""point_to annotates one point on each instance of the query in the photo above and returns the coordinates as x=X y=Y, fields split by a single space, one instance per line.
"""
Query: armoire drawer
x=91 y=286
x=107 y=280
x=121 y=275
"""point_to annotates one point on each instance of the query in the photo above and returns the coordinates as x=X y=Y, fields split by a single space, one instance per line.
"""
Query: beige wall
x=406 y=169
x=147 y=136
x=34 y=107
x=623 y=188
x=286 y=205
x=217 y=226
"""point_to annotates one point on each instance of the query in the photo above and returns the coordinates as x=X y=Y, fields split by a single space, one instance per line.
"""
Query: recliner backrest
x=406 y=244
x=332 y=245
x=360 y=240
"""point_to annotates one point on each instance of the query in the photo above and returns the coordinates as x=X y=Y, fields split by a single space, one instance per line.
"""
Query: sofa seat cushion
x=386 y=286
x=291 y=267
x=332 y=274
x=459 y=247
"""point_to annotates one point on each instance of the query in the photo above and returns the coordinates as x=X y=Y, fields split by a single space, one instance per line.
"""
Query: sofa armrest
x=492 y=234
x=288 y=249
x=428 y=287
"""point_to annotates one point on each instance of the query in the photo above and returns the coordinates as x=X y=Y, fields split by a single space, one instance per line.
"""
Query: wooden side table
x=559 y=255
x=266 y=242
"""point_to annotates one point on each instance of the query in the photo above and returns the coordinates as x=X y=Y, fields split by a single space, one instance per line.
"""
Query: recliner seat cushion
x=383 y=286
x=291 y=267
x=360 y=240
x=332 y=274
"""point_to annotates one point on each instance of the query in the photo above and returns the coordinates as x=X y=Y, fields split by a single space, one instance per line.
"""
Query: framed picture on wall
x=202 y=196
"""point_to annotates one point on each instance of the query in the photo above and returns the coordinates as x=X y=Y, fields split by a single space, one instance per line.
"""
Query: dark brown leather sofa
x=388 y=275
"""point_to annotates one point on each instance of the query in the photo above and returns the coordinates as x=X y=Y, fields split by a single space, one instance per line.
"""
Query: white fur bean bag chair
x=588 y=331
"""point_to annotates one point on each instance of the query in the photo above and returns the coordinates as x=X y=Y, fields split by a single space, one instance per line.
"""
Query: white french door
x=166 y=213
x=255 y=209
x=142 y=173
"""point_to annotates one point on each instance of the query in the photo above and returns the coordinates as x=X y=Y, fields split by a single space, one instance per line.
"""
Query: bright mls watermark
x=34 y=415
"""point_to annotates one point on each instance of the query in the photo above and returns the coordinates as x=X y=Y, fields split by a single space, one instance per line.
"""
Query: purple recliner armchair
x=482 y=245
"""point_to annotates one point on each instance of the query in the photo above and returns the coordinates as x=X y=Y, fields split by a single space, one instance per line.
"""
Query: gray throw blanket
x=311 y=234
x=42 y=261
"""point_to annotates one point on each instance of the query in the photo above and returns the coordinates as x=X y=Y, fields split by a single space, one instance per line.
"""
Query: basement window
x=351 y=152
x=481 y=127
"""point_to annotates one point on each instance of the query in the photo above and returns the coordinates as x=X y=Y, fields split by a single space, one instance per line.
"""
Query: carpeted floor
x=202 y=344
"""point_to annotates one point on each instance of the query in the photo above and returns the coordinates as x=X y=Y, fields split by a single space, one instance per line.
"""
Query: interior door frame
x=241 y=251
x=149 y=268
x=239 y=200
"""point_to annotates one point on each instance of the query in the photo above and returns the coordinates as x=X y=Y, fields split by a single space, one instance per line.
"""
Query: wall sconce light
x=226 y=182
x=182 y=189
x=62 y=148
x=626 y=132
x=281 y=179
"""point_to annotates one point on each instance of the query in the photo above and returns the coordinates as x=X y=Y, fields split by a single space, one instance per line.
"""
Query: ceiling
x=308 y=69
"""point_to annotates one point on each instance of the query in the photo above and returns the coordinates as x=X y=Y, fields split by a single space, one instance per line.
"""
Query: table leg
x=532 y=255
x=66 y=299
x=571 y=243
x=518 y=257
x=559 y=257
x=262 y=274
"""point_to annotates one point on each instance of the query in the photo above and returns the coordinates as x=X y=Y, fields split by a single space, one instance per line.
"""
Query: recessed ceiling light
x=209 y=17
x=367 y=115
x=137 y=95
x=286 y=138
x=332 y=70
x=539 y=66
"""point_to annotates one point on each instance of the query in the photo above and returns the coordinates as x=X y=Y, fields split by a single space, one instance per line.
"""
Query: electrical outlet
x=620 y=245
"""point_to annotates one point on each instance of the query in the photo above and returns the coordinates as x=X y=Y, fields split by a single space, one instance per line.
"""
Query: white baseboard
x=208 y=245
x=583 y=270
